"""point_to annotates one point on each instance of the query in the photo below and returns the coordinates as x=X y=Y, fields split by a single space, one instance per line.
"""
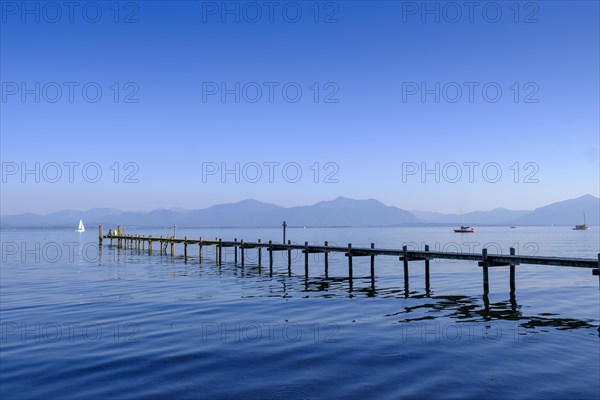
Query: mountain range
x=339 y=212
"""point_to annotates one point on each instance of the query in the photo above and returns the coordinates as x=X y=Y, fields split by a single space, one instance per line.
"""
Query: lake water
x=123 y=324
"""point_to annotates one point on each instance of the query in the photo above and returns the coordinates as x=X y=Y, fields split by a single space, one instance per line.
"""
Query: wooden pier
x=485 y=260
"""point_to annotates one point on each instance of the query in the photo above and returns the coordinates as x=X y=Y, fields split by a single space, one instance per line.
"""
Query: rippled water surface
x=124 y=324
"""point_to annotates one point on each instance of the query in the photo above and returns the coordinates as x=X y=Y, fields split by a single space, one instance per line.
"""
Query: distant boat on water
x=582 y=227
x=81 y=228
x=463 y=228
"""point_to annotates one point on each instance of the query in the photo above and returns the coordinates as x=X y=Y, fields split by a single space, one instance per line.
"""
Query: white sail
x=81 y=228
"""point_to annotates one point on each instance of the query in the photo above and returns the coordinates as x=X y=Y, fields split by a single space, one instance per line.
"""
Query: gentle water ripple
x=136 y=326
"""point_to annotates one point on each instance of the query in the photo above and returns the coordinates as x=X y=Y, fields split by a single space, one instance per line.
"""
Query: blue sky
x=388 y=89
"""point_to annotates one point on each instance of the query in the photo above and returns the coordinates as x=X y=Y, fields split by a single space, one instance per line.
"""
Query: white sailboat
x=81 y=228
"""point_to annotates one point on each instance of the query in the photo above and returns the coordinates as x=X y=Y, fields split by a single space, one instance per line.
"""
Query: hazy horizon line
x=288 y=207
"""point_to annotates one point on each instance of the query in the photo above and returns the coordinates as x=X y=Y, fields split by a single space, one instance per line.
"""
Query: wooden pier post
x=200 y=249
x=372 y=265
x=185 y=254
x=427 y=283
x=119 y=241
x=597 y=272
x=271 y=257
x=150 y=245
x=235 y=249
x=350 y=261
x=259 y=254
x=242 y=252
x=100 y=236
x=405 y=259
x=160 y=242
x=172 y=248
x=219 y=252
x=326 y=261
x=306 y=259
x=284 y=225
x=405 y=262
x=486 y=282
x=512 y=273
x=289 y=259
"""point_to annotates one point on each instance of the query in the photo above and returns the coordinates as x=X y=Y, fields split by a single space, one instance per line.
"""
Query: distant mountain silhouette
x=339 y=212
x=567 y=212
x=495 y=216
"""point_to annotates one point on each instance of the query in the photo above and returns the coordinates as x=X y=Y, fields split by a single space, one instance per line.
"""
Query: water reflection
x=283 y=283
x=470 y=309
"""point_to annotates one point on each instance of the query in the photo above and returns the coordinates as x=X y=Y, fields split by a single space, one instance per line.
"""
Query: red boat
x=465 y=229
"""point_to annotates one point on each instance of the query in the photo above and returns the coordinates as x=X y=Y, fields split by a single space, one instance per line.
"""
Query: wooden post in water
x=512 y=273
x=271 y=257
x=235 y=252
x=326 y=261
x=219 y=252
x=284 y=226
x=185 y=249
x=172 y=248
x=405 y=262
x=405 y=257
x=306 y=259
x=119 y=241
x=242 y=252
x=372 y=266
x=200 y=249
x=160 y=242
x=427 y=286
x=350 y=261
x=100 y=236
x=486 y=282
x=259 y=253
x=150 y=245
x=289 y=259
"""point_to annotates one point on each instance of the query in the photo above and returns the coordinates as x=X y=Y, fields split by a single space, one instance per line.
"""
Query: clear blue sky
x=162 y=68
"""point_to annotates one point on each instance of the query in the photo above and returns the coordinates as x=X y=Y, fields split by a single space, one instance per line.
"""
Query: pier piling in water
x=350 y=261
x=484 y=263
x=372 y=265
x=306 y=253
x=512 y=272
x=427 y=285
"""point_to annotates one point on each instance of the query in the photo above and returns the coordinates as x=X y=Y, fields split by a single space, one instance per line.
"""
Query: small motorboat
x=464 y=229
